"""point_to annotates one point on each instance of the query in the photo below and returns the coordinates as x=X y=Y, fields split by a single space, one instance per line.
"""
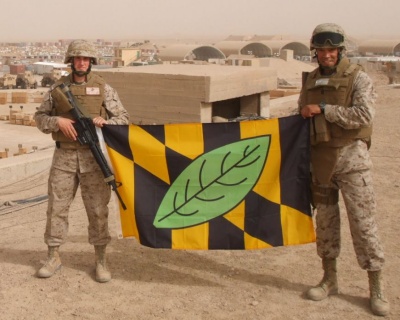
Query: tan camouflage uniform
x=352 y=176
x=73 y=167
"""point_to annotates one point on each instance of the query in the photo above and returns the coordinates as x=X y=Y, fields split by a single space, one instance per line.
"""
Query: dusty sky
x=42 y=20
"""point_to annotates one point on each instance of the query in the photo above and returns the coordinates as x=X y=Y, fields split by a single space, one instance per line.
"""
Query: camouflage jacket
x=362 y=110
x=48 y=123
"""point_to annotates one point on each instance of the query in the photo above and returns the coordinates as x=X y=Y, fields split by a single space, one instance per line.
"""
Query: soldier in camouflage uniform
x=73 y=164
x=339 y=98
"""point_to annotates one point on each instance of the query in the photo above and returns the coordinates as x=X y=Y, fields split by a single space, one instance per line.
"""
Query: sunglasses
x=324 y=38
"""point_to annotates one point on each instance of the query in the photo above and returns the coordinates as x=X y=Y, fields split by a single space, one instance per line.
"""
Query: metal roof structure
x=231 y=47
x=258 y=49
x=262 y=49
x=380 y=47
x=190 y=52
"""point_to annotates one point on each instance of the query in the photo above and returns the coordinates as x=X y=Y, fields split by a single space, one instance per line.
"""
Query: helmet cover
x=80 y=48
x=328 y=35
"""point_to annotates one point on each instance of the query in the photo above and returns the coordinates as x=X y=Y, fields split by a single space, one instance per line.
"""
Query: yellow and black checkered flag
x=235 y=185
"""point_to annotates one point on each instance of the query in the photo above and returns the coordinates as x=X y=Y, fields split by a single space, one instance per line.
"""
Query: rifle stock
x=87 y=136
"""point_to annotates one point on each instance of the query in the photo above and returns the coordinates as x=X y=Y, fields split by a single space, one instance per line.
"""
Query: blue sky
x=131 y=19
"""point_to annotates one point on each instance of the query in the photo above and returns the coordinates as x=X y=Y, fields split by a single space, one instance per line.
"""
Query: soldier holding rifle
x=73 y=162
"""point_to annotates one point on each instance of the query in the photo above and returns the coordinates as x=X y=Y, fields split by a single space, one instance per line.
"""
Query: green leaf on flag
x=213 y=184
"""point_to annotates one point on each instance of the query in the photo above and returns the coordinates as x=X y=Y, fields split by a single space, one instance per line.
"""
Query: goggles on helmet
x=324 y=38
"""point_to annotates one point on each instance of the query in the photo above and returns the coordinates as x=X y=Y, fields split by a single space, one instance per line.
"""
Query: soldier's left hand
x=99 y=122
x=310 y=110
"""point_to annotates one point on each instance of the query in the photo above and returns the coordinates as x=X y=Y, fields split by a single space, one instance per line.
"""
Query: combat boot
x=52 y=264
x=328 y=284
x=102 y=273
x=379 y=305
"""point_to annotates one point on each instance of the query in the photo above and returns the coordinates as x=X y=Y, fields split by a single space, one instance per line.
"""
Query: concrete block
x=13 y=169
x=3 y=97
x=19 y=97
x=178 y=93
x=286 y=55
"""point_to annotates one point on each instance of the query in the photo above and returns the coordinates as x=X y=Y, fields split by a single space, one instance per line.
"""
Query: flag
x=234 y=185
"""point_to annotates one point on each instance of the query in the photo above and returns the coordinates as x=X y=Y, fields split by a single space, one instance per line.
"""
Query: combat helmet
x=328 y=35
x=80 y=48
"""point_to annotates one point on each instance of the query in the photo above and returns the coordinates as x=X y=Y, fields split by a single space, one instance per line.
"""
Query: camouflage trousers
x=352 y=176
x=62 y=188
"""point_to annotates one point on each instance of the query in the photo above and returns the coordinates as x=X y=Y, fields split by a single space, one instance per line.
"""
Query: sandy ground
x=165 y=284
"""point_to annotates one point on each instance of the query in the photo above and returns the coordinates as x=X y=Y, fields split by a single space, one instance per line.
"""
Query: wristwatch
x=322 y=106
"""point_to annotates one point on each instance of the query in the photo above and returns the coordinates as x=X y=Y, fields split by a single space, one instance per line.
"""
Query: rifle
x=87 y=136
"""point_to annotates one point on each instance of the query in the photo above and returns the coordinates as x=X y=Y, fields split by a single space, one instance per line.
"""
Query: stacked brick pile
x=19 y=117
x=21 y=150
